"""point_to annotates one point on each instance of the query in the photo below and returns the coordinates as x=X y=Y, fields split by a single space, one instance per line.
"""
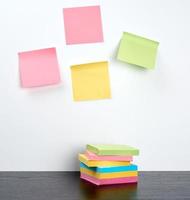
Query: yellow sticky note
x=90 y=81
x=109 y=175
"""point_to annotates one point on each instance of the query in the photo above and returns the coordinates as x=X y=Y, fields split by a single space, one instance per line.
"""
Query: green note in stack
x=101 y=149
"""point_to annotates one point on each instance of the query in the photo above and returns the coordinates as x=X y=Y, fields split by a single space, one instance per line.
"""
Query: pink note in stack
x=93 y=156
x=109 y=181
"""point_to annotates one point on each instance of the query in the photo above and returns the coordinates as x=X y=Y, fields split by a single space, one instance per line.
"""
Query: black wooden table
x=68 y=186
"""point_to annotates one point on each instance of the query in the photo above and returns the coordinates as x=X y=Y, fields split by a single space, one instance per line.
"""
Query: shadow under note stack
x=108 y=164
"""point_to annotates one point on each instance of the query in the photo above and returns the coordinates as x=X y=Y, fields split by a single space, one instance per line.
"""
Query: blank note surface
x=83 y=25
x=137 y=50
x=90 y=81
x=39 y=68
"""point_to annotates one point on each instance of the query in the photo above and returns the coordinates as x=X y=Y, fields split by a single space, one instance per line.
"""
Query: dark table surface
x=68 y=186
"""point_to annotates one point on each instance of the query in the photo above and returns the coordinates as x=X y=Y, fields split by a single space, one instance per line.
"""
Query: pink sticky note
x=38 y=68
x=93 y=156
x=132 y=179
x=83 y=25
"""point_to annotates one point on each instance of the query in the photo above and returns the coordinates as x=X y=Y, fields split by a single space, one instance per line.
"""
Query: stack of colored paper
x=108 y=164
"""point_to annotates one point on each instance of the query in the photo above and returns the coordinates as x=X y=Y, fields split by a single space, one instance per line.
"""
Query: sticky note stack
x=108 y=164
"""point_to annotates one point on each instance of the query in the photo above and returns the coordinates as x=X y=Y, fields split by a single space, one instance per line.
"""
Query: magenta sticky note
x=109 y=181
x=83 y=25
x=39 y=68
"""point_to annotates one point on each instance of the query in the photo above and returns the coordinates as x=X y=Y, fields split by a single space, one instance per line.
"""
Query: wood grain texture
x=68 y=186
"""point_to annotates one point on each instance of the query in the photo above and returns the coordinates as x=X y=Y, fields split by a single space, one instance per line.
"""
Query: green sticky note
x=137 y=50
x=113 y=149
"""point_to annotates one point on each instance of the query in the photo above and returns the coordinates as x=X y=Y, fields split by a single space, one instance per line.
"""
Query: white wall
x=44 y=129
